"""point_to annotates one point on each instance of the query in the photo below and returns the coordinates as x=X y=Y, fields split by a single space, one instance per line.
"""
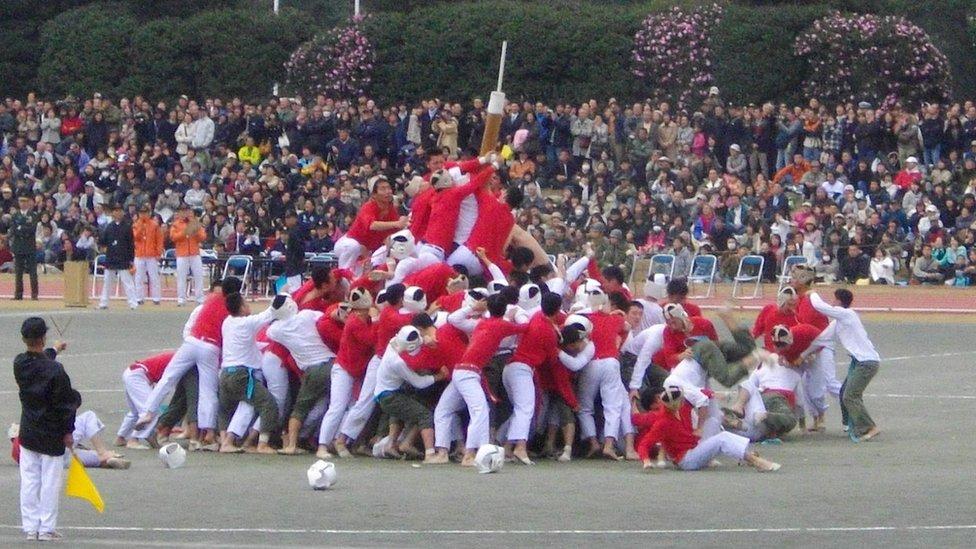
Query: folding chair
x=240 y=267
x=750 y=271
x=661 y=264
x=788 y=264
x=98 y=273
x=703 y=272
x=210 y=259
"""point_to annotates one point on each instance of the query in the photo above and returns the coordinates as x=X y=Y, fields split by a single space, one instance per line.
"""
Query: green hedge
x=451 y=51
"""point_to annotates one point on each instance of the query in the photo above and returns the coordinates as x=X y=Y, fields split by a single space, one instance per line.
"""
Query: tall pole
x=274 y=88
x=495 y=111
x=356 y=9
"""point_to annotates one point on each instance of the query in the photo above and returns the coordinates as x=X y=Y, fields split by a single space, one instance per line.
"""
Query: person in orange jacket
x=149 y=247
x=187 y=233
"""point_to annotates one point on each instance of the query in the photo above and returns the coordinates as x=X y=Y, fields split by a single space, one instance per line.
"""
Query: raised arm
x=576 y=363
x=825 y=309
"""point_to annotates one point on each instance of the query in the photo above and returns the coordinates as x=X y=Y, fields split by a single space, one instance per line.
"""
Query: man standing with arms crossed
x=187 y=234
x=47 y=422
x=23 y=244
x=117 y=241
x=149 y=246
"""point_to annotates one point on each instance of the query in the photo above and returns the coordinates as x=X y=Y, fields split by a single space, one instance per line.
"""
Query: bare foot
x=230 y=449
x=323 y=452
x=522 y=458
x=291 y=451
x=872 y=432
x=263 y=448
x=341 y=449
x=631 y=455
x=468 y=460
x=593 y=452
x=437 y=459
x=610 y=453
x=120 y=441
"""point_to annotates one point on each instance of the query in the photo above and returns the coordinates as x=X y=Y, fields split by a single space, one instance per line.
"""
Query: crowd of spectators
x=885 y=196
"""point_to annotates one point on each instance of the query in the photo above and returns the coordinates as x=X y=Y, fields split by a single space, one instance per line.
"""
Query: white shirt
x=393 y=372
x=653 y=314
x=576 y=363
x=775 y=376
x=188 y=327
x=239 y=347
x=300 y=336
x=653 y=341
x=467 y=215
x=849 y=330
x=203 y=132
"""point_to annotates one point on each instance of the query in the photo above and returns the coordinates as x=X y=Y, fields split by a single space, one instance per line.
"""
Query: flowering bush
x=338 y=62
x=883 y=59
x=672 y=52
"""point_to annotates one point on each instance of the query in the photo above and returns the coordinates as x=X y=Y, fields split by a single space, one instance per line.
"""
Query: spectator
x=882 y=267
x=926 y=269
x=856 y=266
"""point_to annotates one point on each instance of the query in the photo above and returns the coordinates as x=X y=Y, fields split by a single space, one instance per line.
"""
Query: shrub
x=338 y=63
x=673 y=53
x=883 y=59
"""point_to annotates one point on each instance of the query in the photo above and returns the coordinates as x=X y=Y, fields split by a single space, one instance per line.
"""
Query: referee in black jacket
x=47 y=422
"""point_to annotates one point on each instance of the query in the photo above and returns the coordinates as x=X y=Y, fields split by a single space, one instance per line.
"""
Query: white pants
x=520 y=387
x=292 y=283
x=751 y=428
x=206 y=357
x=464 y=390
x=433 y=253
x=724 y=443
x=127 y=285
x=244 y=414
x=137 y=391
x=601 y=376
x=186 y=266
x=148 y=268
x=87 y=425
x=464 y=256
x=359 y=413
x=347 y=253
x=41 y=479
x=340 y=394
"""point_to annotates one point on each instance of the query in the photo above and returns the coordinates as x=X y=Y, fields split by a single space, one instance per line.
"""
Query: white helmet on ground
x=414 y=299
x=530 y=297
x=321 y=475
x=402 y=244
x=489 y=459
x=581 y=322
x=408 y=339
x=172 y=455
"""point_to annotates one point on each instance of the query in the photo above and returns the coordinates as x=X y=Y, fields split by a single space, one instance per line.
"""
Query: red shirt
x=280 y=351
x=330 y=329
x=154 y=365
x=444 y=208
x=420 y=212
x=769 y=317
x=431 y=279
x=388 y=325
x=450 y=302
x=803 y=336
x=593 y=272
x=494 y=225
x=451 y=343
x=806 y=314
x=321 y=303
x=608 y=330
x=486 y=338
x=370 y=212
x=539 y=345
x=209 y=321
x=690 y=308
x=674 y=342
x=356 y=345
x=675 y=434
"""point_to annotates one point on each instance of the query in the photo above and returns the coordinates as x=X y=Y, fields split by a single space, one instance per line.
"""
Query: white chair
x=239 y=266
x=703 y=272
x=788 y=264
x=750 y=272
x=98 y=273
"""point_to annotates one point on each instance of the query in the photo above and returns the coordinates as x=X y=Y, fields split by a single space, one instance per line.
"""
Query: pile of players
x=449 y=329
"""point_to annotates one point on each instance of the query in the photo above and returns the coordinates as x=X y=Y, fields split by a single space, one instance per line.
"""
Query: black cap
x=33 y=328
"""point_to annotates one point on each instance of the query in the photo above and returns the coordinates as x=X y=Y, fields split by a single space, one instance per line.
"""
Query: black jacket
x=120 y=248
x=48 y=401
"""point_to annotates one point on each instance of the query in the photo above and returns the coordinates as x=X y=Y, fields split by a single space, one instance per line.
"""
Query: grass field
x=913 y=486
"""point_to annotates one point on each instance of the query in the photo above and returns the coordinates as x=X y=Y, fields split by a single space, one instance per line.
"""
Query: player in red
x=138 y=380
x=783 y=312
x=354 y=351
x=377 y=219
x=820 y=377
x=465 y=388
x=538 y=347
x=445 y=210
x=678 y=293
x=319 y=292
x=680 y=327
x=437 y=279
x=672 y=428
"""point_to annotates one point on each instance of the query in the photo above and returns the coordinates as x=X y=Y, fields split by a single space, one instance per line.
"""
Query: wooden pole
x=495 y=111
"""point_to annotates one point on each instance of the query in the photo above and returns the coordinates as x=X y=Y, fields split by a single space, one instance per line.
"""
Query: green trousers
x=855 y=415
x=403 y=407
x=627 y=363
x=722 y=360
x=184 y=401
x=316 y=384
x=780 y=418
x=237 y=384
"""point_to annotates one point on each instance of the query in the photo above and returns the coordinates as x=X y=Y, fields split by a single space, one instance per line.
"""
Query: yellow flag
x=79 y=485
